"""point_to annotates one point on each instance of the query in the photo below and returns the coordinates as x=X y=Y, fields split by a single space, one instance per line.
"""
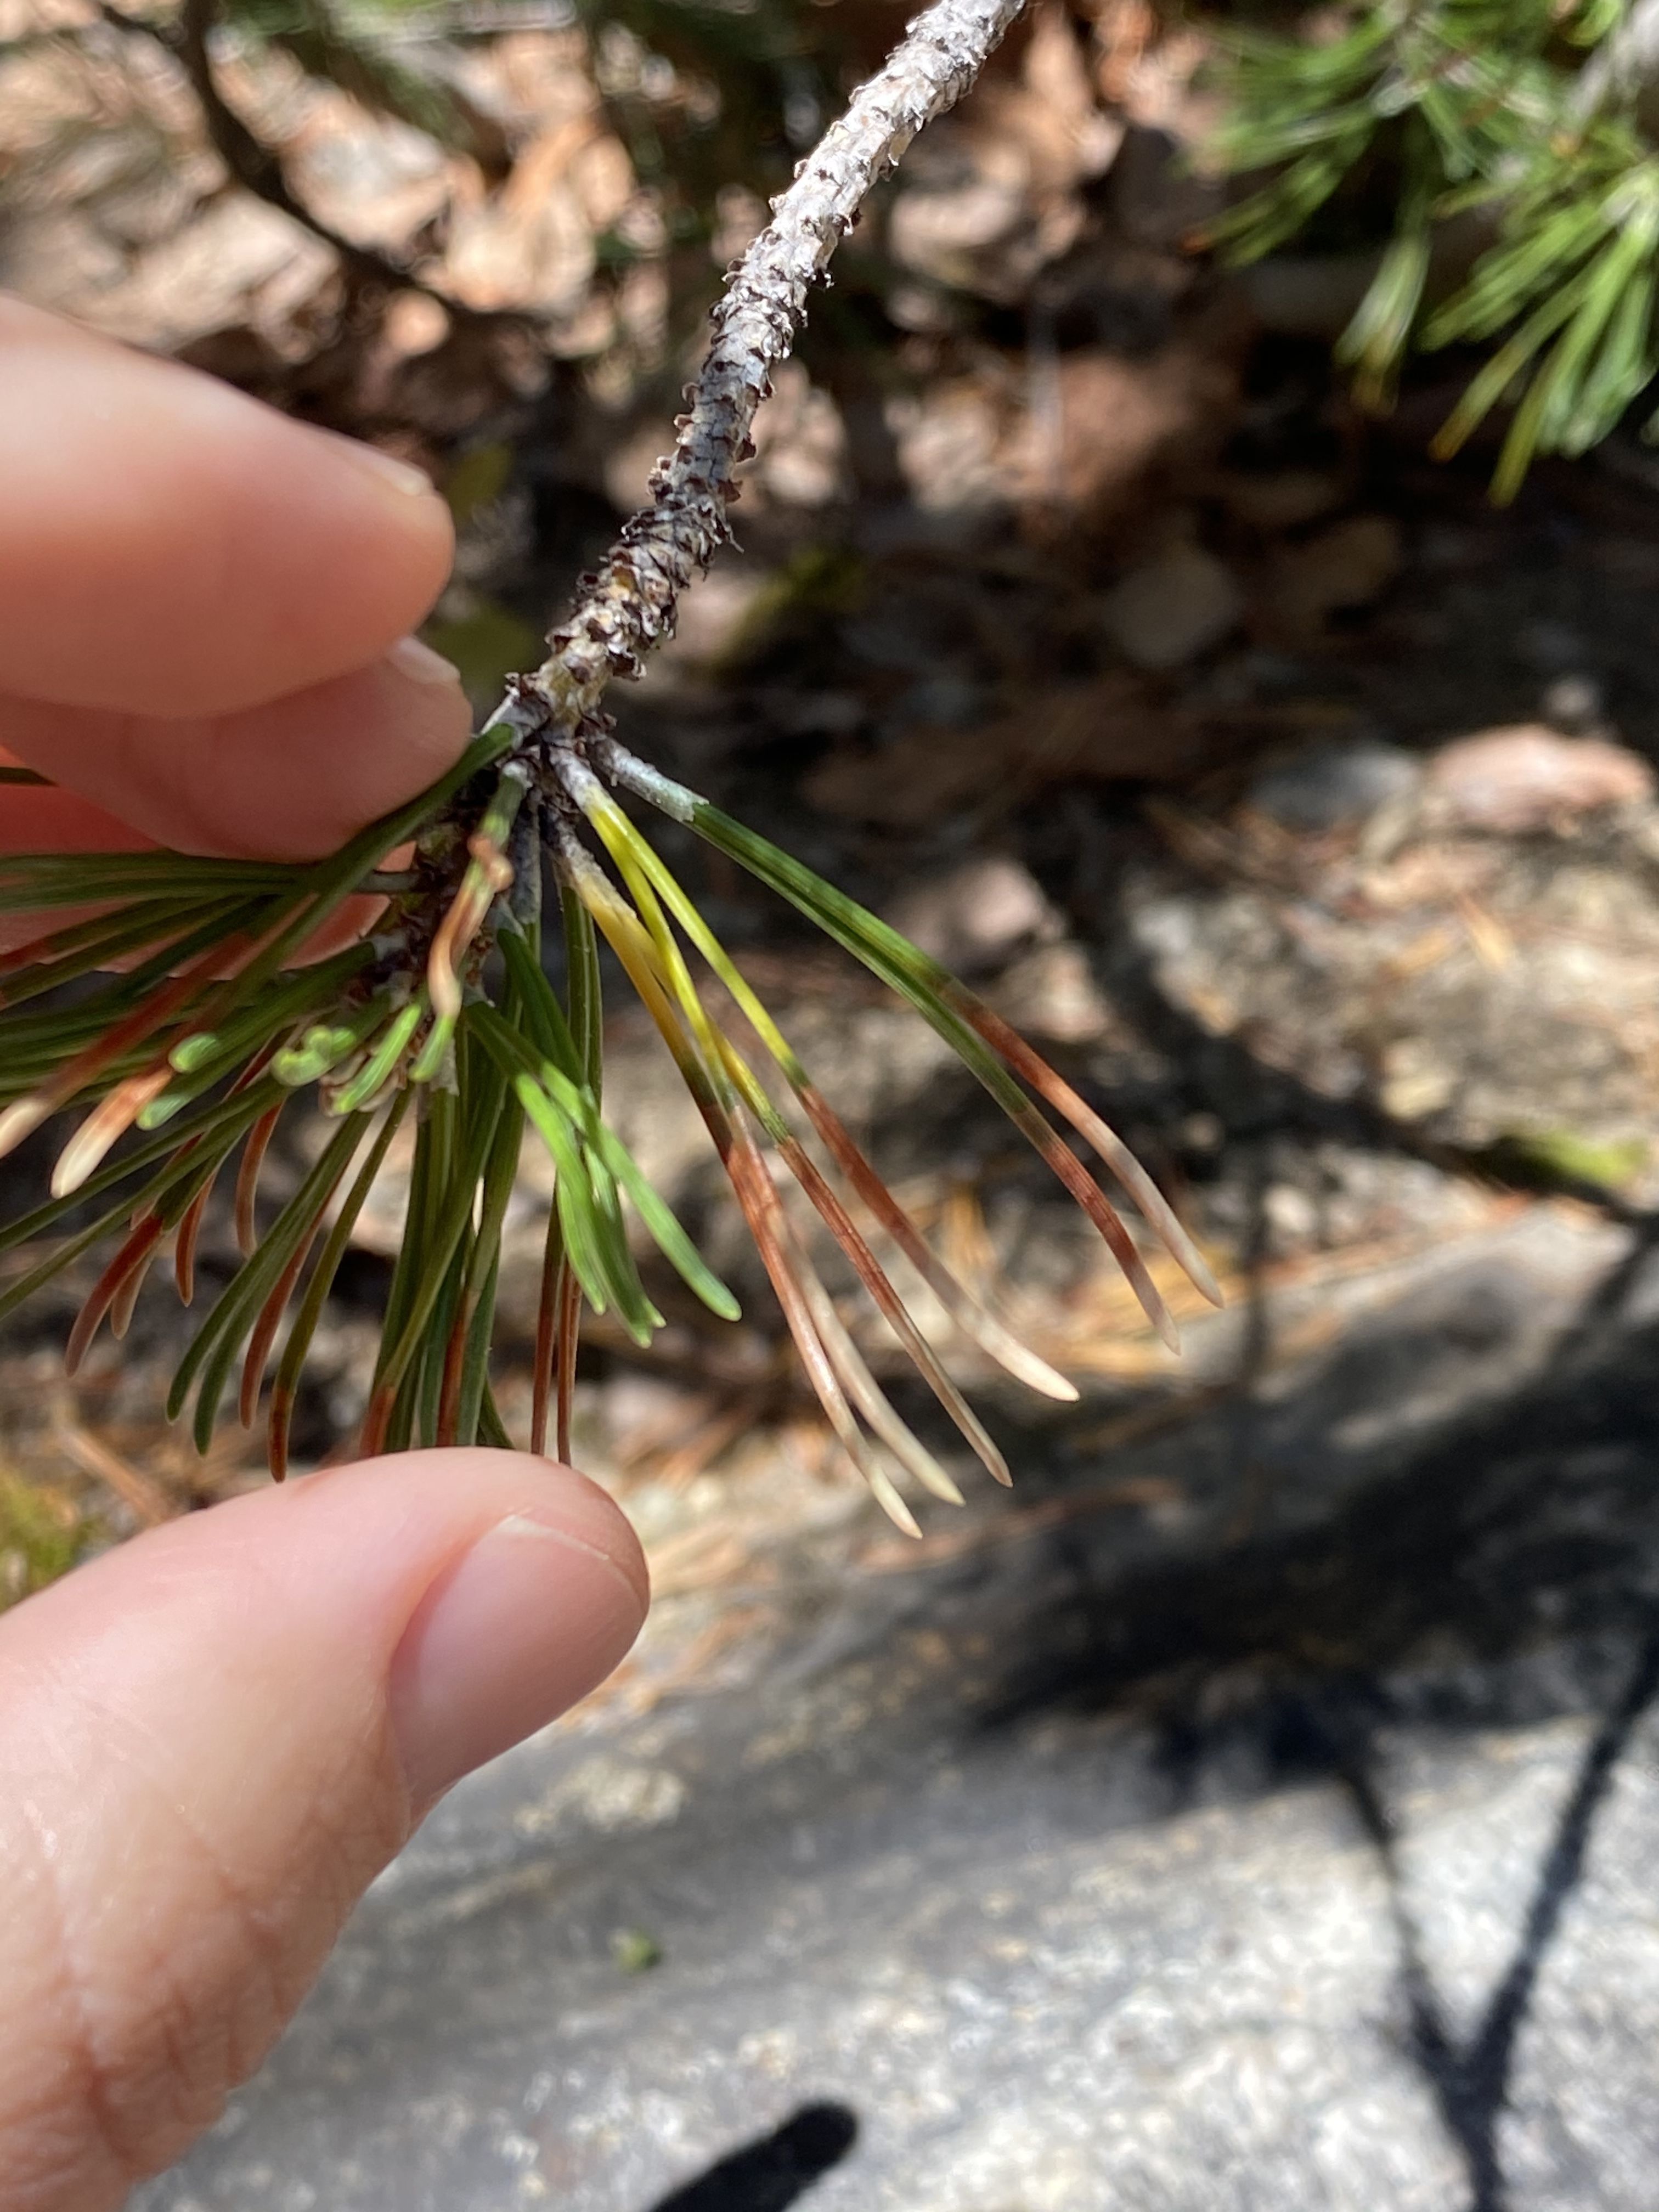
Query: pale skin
x=213 y=1738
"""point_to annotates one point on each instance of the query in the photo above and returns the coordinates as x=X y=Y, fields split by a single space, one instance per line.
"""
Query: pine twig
x=627 y=607
x=412 y=1012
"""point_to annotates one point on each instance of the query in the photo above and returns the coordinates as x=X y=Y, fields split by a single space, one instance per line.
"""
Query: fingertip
x=533 y=1590
x=294 y=780
x=389 y=473
x=170 y=546
x=542 y=1607
x=223 y=1730
x=290 y=781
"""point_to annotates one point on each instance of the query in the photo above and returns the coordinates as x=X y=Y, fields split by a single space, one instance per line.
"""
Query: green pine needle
x=444 y=1017
x=1467 y=104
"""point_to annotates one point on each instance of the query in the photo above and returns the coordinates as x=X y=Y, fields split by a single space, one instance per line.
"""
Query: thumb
x=214 y=1738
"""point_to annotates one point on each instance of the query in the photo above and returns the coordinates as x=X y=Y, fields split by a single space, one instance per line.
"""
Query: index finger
x=168 y=546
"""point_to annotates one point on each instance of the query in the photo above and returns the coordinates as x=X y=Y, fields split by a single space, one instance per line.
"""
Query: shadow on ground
x=769 y=2175
x=1264 y=1816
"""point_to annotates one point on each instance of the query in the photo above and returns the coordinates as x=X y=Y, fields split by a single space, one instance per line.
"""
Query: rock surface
x=1531 y=779
x=1168 y=612
x=1261 y=1814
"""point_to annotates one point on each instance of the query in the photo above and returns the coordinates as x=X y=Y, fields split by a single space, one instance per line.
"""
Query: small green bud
x=193 y=1052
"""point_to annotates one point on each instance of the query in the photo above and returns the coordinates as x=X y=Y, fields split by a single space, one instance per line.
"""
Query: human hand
x=212 y=1738
x=203 y=609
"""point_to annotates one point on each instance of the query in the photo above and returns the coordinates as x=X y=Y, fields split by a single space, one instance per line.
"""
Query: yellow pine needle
x=721 y=1058
x=651 y=949
x=628 y=939
x=864 y=1392
x=670 y=962
x=639 y=954
x=636 y=857
x=981 y=1327
x=489 y=874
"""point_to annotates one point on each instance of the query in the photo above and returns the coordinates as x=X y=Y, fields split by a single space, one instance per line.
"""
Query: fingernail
x=402 y=476
x=410 y=658
x=528 y=1621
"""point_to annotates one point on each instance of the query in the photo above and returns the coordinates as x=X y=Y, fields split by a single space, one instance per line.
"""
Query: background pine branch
x=1527 y=116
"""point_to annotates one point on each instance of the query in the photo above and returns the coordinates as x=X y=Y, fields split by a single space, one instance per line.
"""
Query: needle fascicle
x=804 y=1301
x=934 y=991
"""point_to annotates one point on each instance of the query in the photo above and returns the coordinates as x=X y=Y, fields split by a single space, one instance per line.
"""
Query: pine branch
x=1529 y=110
x=449 y=1001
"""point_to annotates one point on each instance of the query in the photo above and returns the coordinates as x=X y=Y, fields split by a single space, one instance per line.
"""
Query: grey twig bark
x=628 y=606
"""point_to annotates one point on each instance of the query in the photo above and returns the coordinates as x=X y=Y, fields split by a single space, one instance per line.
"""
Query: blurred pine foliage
x=1528 y=116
